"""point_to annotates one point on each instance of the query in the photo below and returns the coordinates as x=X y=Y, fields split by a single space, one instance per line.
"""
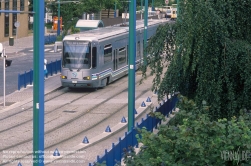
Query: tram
x=174 y=12
x=95 y=58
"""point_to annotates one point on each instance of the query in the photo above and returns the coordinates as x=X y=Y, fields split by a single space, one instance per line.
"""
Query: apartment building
x=8 y=20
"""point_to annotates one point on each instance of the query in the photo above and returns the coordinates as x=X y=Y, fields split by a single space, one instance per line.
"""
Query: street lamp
x=5 y=64
x=2 y=54
x=115 y=8
x=132 y=54
x=152 y=5
x=58 y=31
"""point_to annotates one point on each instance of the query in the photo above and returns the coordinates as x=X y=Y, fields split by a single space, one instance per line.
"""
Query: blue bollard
x=107 y=129
x=123 y=120
x=56 y=153
x=85 y=140
x=143 y=104
x=148 y=99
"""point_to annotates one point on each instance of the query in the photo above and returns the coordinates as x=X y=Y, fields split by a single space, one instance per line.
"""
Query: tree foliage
x=191 y=138
x=209 y=49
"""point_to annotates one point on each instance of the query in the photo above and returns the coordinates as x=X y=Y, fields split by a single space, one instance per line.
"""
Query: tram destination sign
x=76 y=42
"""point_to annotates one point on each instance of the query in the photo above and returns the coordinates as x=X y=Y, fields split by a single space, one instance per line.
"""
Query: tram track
x=30 y=108
x=72 y=136
x=78 y=117
x=16 y=113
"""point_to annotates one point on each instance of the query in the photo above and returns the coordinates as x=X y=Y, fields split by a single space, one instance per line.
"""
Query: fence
x=50 y=39
x=27 y=78
x=115 y=154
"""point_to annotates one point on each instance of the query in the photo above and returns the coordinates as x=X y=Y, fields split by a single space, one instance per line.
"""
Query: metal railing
x=50 y=39
x=116 y=153
x=27 y=77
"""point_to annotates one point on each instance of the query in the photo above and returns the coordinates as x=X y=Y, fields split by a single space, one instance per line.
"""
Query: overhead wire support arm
x=15 y=11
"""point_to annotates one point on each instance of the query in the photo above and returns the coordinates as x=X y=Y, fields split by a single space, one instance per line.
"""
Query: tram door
x=115 y=60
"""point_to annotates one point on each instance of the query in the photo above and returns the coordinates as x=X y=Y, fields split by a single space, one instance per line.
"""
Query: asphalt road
x=21 y=62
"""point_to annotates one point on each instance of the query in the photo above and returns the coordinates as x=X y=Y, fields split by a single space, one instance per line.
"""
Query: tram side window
x=138 y=49
x=147 y=42
x=127 y=53
x=122 y=55
x=107 y=53
x=94 y=57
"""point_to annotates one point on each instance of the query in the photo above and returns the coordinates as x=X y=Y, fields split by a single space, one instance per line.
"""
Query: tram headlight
x=63 y=77
x=87 y=78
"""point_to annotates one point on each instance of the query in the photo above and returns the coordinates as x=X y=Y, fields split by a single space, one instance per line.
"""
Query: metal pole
x=58 y=31
x=152 y=5
x=145 y=29
x=4 y=77
x=132 y=55
x=115 y=13
x=178 y=10
x=38 y=86
x=141 y=8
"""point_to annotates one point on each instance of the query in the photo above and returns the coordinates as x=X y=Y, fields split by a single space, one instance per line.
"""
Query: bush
x=60 y=38
x=192 y=139
x=49 y=25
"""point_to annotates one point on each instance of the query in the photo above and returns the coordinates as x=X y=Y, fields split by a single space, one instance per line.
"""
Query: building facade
x=9 y=20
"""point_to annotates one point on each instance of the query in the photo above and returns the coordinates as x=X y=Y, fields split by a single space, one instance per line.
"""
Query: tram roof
x=105 y=32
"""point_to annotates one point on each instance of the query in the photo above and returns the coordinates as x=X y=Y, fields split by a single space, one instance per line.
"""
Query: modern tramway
x=95 y=58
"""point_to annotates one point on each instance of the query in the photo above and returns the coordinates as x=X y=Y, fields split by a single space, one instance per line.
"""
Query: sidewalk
x=20 y=44
x=25 y=95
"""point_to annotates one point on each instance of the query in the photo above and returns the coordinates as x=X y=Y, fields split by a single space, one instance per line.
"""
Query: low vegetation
x=191 y=138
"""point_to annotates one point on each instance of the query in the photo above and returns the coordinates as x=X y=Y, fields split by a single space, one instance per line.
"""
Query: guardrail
x=50 y=39
x=27 y=77
x=57 y=44
x=116 y=153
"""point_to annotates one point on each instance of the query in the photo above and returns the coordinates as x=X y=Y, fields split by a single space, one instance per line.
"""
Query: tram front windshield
x=76 y=55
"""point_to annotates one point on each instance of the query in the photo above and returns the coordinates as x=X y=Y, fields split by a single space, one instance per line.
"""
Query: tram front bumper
x=79 y=84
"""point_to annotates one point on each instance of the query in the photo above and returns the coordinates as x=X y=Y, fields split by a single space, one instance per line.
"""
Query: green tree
x=109 y=4
x=209 y=50
x=72 y=11
x=89 y=6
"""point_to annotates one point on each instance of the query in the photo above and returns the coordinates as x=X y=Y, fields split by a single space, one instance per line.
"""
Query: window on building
x=0 y=6
x=14 y=17
x=6 y=25
x=21 y=5
x=6 y=19
x=6 y=4
x=14 y=29
x=14 y=5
